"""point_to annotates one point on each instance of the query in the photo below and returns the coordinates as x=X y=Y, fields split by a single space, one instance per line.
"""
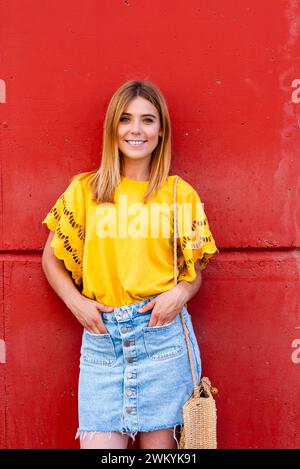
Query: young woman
x=110 y=259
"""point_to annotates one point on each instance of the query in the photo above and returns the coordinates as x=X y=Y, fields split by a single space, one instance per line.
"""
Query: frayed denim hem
x=82 y=434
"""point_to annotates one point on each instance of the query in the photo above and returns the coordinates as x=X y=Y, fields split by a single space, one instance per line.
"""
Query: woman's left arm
x=189 y=289
x=167 y=305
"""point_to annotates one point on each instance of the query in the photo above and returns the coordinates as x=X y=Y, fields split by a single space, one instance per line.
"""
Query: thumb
x=147 y=306
x=103 y=307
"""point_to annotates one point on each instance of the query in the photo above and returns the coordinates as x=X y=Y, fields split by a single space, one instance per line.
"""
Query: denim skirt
x=135 y=378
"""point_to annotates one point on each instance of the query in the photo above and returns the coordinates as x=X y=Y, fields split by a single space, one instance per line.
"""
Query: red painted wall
x=230 y=72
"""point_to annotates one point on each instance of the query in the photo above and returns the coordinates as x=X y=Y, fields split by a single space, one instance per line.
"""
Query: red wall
x=229 y=72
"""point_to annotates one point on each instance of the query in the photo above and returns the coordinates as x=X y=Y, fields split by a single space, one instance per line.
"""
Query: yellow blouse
x=122 y=253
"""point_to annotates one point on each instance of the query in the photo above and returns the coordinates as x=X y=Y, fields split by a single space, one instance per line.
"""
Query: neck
x=136 y=171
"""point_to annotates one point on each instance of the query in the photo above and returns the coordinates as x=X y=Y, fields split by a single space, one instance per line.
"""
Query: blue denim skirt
x=135 y=378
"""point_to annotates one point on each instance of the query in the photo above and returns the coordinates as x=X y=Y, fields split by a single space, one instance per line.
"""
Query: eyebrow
x=143 y=115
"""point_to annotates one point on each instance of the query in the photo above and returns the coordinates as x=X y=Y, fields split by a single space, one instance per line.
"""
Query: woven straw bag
x=199 y=429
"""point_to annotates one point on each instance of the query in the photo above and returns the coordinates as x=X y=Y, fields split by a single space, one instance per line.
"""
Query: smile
x=136 y=143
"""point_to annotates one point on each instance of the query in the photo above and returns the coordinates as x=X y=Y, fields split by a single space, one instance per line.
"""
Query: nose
x=135 y=127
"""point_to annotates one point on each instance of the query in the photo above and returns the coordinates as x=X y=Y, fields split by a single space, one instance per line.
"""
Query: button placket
x=130 y=372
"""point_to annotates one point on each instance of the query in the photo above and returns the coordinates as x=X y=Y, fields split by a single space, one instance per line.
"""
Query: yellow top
x=122 y=253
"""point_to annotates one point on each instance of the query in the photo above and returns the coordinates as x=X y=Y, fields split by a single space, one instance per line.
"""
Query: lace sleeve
x=195 y=239
x=67 y=219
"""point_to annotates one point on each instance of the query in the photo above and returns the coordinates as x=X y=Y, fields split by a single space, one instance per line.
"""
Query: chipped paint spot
x=293 y=17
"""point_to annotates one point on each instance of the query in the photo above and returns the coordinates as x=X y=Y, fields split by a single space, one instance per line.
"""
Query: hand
x=88 y=313
x=166 y=306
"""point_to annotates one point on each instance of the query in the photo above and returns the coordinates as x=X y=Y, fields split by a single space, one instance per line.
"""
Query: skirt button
x=131 y=359
x=130 y=410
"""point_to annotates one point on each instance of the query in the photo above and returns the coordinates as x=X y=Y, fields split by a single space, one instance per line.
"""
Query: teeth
x=135 y=142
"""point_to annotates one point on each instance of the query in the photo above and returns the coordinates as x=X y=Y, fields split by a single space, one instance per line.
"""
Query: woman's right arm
x=84 y=309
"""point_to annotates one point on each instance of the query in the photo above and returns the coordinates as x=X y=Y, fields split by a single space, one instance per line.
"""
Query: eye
x=148 y=119
x=122 y=118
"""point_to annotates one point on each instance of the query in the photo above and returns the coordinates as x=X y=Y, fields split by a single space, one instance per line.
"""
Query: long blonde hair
x=103 y=181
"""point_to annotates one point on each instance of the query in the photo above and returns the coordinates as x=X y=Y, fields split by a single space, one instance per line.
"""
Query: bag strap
x=175 y=228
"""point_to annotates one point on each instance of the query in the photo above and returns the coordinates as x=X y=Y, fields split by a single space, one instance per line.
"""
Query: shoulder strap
x=175 y=229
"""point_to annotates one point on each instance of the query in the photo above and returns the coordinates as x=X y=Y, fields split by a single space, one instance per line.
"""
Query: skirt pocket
x=164 y=342
x=98 y=349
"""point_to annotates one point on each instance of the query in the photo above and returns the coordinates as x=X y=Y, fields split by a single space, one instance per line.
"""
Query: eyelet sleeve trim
x=66 y=219
x=196 y=243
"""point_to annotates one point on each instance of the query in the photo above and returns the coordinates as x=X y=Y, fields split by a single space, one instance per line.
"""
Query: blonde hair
x=103 y=181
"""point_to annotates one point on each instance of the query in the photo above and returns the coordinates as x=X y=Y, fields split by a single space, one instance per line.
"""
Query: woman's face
x=139 y=129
